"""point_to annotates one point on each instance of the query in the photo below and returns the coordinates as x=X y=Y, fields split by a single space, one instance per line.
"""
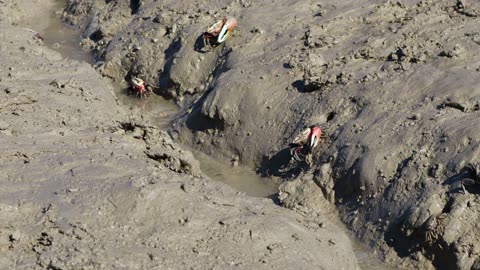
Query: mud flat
x=87 y=183
x=393 y=83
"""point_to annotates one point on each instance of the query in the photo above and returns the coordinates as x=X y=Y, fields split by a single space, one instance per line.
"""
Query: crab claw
x=302 y=138
x=138 y=83
x=315 y=135
x=219 y=31
x=227 y=29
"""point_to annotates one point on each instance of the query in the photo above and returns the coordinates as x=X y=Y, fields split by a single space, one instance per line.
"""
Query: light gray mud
x=393 y=83
x=87 y=184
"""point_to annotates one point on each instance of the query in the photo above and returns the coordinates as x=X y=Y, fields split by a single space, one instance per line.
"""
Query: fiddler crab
x=219 y=32
x=36 y=35
x=139 y=87
x=305 y=142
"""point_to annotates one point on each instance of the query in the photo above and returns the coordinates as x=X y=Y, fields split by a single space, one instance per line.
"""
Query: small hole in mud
x=299 y=85
x=96 y=36
x=127 y=126
x=134 y=6
x=330 y=116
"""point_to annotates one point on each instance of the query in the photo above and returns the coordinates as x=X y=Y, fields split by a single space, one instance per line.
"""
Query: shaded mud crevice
x=463 y=8
x=282 y=165
x=209 y=81
x=422 y=240
x=96 y=36
x=166 y=86
x=463 y=107
x=194 y=117
x=197 y=121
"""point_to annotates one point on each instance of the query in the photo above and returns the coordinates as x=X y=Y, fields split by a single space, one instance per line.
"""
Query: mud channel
x=65 y=40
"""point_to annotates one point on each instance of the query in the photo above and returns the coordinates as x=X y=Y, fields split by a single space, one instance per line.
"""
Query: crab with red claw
x=139 y=87
x=218 y=32
x=303 y=145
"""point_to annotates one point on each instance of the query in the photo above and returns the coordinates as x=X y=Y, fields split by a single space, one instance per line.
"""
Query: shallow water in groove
x=66 y=40
x=239 y=178
x=59 y=36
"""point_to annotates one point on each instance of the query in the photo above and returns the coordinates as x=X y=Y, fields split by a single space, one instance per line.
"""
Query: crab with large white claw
x=219 y=32
x=304 y=143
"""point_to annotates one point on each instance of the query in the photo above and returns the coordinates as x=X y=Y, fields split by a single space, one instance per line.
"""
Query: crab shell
x=315 y=136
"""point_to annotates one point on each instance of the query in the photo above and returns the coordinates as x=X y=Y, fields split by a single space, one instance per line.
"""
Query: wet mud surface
x=87 y=182
x=394 y=84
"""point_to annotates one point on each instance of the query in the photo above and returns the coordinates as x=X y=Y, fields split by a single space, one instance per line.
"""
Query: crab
x=36 y=35
x=218 y=32
x=138 y=86
x=305 y=142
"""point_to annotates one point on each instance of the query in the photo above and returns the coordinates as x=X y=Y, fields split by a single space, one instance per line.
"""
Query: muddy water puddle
x=240 y=178
x=155 y=108
x=65 y=40
x=57 y=35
